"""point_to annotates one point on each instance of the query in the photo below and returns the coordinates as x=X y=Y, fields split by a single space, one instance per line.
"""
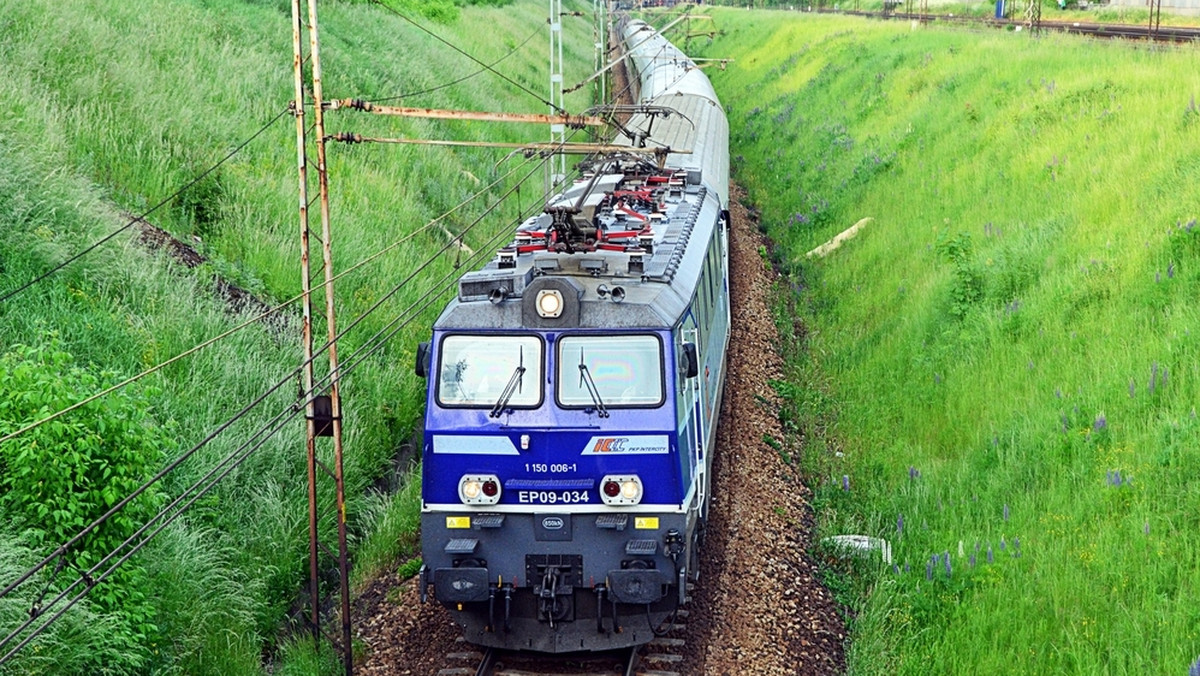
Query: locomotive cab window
x=610 y=371
x=490 y=371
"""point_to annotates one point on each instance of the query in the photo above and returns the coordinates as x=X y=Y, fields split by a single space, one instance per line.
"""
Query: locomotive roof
x=625 y=244
x=632 y=236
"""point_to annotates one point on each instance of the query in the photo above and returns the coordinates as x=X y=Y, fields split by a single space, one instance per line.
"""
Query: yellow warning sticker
x=645 y=523
x=458 y=522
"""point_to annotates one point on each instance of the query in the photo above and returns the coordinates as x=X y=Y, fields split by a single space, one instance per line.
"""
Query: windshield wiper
x=513 y=386
x=585 y=377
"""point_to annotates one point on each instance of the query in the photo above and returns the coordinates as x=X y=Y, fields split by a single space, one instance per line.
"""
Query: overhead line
x=464 y=78
x=62 y=549
x=239 y=327
x=458 y=49
x=142 y=217
x=413 y=311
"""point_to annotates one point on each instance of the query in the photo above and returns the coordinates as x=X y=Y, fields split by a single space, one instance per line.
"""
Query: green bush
x=61 y=476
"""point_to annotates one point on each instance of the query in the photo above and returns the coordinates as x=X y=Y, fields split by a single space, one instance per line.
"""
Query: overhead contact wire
x=142 y=217
x=464 y=78
x=245 y=450
x=239 y=327
x=458 y=49
x=61 y=550
x=412 y=312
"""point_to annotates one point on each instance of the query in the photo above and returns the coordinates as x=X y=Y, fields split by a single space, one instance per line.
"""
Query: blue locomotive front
x=554 y=487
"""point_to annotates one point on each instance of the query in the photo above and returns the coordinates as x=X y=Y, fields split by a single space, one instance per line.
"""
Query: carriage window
x=626 y=370
x=479 y=371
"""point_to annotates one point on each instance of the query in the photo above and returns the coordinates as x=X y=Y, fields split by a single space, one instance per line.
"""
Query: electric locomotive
x=574 y=389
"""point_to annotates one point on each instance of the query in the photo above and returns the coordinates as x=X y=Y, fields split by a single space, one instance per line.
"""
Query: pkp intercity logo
x=643 y=444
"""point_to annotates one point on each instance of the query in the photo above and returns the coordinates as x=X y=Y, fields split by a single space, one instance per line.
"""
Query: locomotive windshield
x=626 y=370
x=480 y=371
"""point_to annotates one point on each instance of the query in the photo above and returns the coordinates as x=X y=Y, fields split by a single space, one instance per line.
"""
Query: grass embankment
x=999 y=375
x=109 y=108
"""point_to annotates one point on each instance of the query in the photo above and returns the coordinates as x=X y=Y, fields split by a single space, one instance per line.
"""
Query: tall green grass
x=110 y=107
x=1016 y=326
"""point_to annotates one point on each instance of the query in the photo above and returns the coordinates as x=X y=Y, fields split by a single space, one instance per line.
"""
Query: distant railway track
x=1173 y=34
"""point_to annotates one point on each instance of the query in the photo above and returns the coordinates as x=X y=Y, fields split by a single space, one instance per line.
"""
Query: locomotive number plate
x=551 y=497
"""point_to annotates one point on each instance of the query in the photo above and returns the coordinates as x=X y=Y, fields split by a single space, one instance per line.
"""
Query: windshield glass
x=476 y=369
x=627 y=370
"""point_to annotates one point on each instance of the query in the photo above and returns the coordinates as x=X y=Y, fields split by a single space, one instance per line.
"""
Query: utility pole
x=322 y=411
x=556 y=168
x=600 y=38
x=1033 y=16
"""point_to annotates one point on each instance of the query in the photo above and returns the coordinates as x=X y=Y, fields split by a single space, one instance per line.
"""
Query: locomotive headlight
x=618 y=489
x=479 y=489
x=631 y=490
x=549 y=303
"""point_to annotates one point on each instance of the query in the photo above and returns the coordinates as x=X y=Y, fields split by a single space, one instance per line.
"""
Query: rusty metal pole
x=556 y=168
x=331 y=326
x=306 y=327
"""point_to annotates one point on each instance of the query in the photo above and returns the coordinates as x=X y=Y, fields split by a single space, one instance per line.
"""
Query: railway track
x=660 y=657
x=1175 y=34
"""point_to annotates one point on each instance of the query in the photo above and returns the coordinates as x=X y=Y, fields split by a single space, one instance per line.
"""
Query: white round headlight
x=630 y=490
x=549 y=303
x=471 y=489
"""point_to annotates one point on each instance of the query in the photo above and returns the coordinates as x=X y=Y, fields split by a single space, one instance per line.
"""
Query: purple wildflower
x=1195 y=670
x=1171 y=270
x=1016 y=547
x=900 y=524
x=845 y=482
x=1163 y=381
x=1190 y=224
x=990 y=557
x=971 y=561
x=1066 y=422
x=913 y=473
x=929 y=569
x=1132 y=388
x=896 y=568
x=1058 y=393
x=1003 y=546
x=1146 y=528
x=1100 y=424
x=1006 y=511
x=946 y=562
x=907 y=568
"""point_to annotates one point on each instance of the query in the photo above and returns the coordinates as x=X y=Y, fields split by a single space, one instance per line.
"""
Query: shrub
x=60 y=476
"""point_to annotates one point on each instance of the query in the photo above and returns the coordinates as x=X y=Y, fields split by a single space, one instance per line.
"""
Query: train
x=574 y=386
